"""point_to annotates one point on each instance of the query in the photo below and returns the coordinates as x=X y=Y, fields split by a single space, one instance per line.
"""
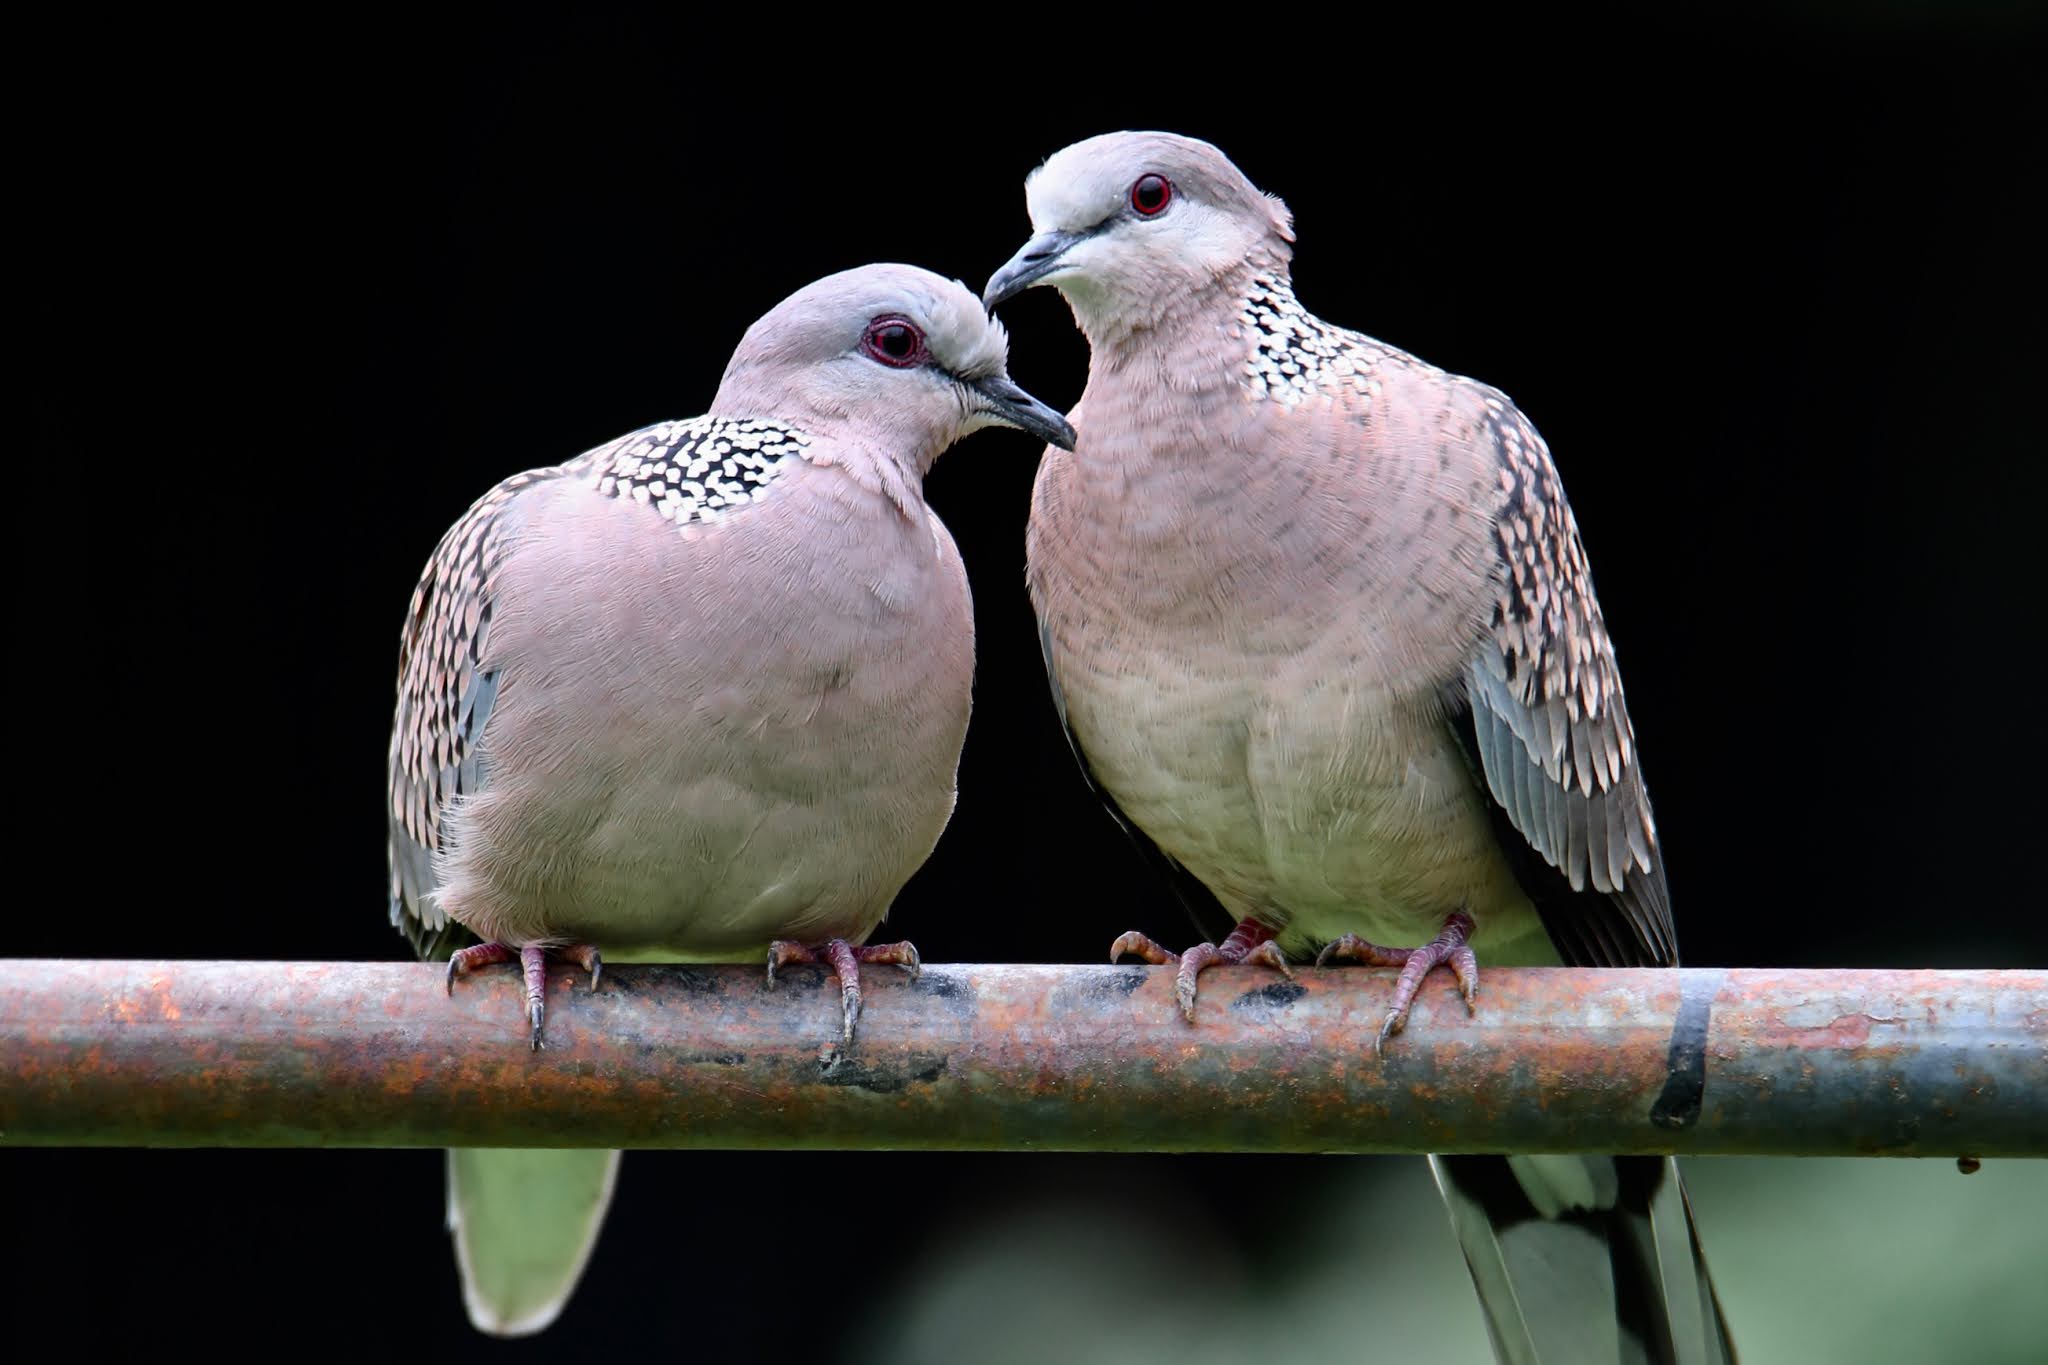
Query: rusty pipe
x=267 y=1054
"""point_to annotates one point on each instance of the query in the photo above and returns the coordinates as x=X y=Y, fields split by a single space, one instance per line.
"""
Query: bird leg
x=1446 y=949
x=532 y=960
x=1250 y=942
x=845 y=960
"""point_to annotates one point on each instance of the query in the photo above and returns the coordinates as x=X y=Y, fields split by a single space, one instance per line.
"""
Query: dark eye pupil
x=1150 y=194
x=894 y=342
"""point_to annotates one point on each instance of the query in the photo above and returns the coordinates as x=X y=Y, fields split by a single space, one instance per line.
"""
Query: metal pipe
x=264 y=1054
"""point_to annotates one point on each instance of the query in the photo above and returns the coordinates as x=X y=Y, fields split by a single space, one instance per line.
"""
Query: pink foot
x=845 y=960
x=1250 y=942
x=1446 y=949
x=532 y=960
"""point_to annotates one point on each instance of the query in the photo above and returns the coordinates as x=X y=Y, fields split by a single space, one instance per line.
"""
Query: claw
x=532 y=960
x=1268 y=954
x=467 y=960
x=784 y=951
x=1395 y=1021
x=586 y=956
x=1186 y=980
x=1141 y=945
x=1250 y=942
x=903 y=955
x=1352 y=948
x=1448 y=948
x=846 y=967
x=845 y=961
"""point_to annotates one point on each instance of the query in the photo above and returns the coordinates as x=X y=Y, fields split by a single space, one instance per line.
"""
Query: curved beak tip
x=1034 y=261
x=1010 y=405
x=999 y=288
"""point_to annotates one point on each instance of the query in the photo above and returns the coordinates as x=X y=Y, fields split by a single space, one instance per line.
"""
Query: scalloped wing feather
x=1550 y=725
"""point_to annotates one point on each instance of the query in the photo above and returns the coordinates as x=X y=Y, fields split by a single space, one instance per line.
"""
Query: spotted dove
x=1318 y=621
x=698 y=694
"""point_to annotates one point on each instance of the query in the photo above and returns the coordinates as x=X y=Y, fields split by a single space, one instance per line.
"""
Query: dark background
x=294 y=299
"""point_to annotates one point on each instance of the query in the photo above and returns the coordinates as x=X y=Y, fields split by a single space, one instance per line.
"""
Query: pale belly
x=1317 y=802
x=701 y=852
x=719 y=865
x=732 y=787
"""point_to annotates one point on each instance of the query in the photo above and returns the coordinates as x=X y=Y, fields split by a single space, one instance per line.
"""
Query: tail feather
x=524 y=1222
x=1580 y=1259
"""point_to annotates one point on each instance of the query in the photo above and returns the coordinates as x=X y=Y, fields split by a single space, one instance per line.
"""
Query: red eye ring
x=896 y=342
x=1150 y=194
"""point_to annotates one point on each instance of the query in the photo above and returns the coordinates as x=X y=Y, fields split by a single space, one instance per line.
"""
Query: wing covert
x=446 y=690
x=1550 y=729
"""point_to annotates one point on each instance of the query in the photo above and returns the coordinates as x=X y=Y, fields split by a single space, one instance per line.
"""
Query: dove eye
x=1150 y=195
x=894 y=342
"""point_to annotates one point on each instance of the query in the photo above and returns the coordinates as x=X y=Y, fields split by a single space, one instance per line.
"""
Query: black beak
x=1039 y=258
x=1010 y=405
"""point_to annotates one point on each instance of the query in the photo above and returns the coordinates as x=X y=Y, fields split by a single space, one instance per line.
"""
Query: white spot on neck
x=1294 y=355
x=695 y=471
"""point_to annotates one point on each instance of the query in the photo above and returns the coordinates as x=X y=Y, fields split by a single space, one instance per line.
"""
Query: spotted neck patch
x=696 y=471
x=1295 y=355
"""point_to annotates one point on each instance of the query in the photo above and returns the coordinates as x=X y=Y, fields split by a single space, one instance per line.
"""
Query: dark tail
x=1584 y=1258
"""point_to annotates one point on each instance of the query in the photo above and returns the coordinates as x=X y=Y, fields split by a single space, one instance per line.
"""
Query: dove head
x=894 y=361
x=1134 y=227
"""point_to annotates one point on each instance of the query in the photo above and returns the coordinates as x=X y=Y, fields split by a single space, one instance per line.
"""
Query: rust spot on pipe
x=1844 y=1031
